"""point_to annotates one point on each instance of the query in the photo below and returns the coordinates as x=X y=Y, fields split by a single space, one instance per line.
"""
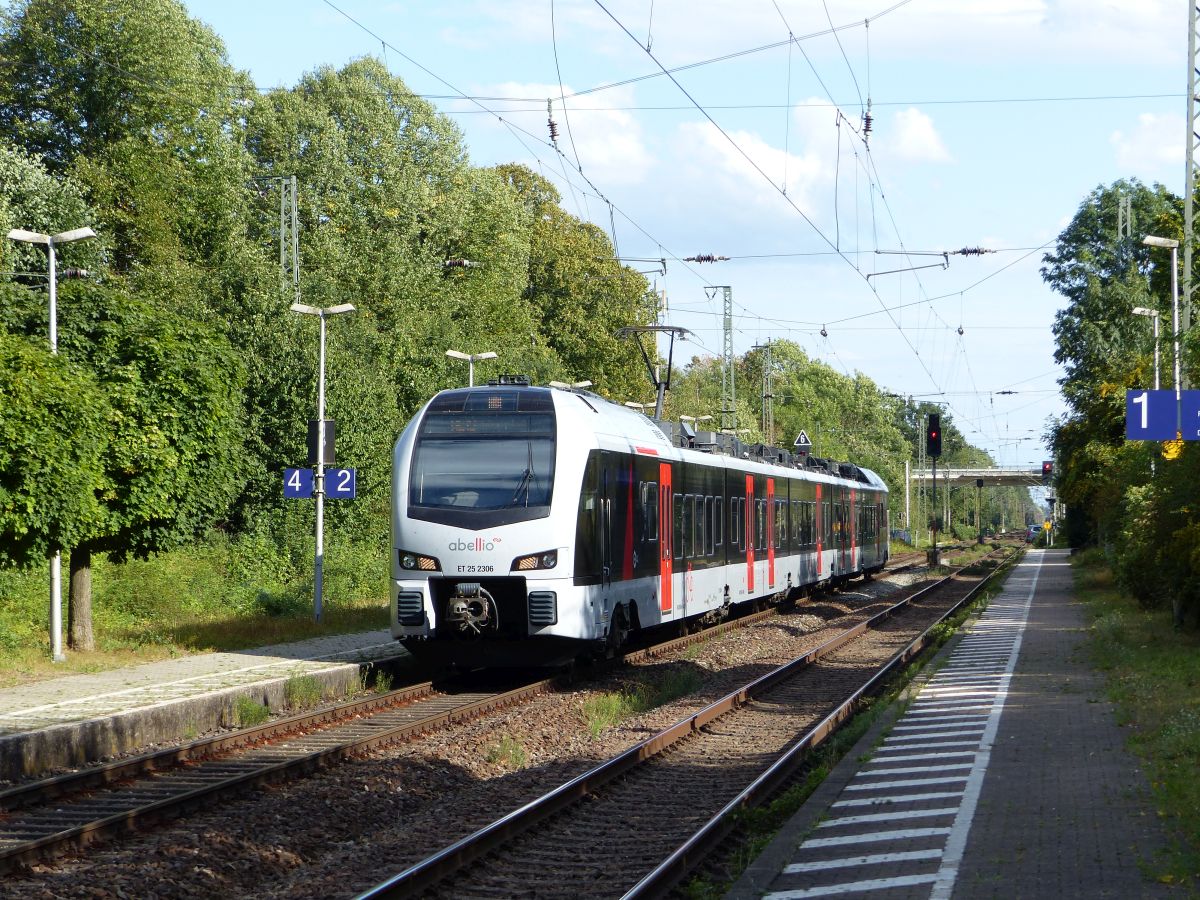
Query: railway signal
x=933 y=436
x=1047 y=472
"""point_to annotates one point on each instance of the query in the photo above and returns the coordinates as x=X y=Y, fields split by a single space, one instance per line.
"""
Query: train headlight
x=547 y=559
x=418 y=562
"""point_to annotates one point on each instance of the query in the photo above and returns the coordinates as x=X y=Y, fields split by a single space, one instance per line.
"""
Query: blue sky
x=991 y=121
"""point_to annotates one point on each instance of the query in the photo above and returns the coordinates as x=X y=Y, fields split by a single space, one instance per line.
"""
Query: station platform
x=82 y=719
x=1002 y=774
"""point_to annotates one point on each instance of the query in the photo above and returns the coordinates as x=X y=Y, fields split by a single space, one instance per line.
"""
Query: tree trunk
x=79 y=607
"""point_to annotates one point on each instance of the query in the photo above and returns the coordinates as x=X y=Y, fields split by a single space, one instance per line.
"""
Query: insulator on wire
x=550 y=121
x=705 y=257
x=459 y=264
x=973 y=251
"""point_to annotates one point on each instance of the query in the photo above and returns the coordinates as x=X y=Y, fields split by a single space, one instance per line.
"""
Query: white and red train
x=531 y=525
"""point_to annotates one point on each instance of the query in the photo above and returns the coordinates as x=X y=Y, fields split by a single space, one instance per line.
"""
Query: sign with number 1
x=1149 y=415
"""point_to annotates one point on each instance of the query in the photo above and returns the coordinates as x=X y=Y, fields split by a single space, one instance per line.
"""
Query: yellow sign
x=1046 y=525
x=1172 y=449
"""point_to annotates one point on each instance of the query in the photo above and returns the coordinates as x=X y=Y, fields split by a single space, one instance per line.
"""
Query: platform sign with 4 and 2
x=299 y=484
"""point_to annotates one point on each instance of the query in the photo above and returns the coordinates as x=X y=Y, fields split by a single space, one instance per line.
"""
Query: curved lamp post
x=471 y=359
x=50 y=241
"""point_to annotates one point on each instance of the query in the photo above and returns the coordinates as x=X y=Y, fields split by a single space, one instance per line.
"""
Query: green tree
x=33 y=199
x=171 y=422
x=52 y=444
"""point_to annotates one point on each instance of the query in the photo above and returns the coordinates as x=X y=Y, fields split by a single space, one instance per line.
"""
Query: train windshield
x=484 y=457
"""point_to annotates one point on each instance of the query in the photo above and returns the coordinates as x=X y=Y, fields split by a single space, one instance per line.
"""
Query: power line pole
x=728 y=392
x=768 y=410
x=1189 y=190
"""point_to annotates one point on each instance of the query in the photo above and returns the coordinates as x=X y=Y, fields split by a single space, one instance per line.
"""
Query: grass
x=247 y=713
x=218 y=594
x=302 y=691
x=1153 y=677
x=603 y=711
x=508 y=753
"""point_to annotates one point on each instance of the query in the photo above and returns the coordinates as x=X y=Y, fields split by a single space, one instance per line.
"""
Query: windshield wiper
x=526 y=478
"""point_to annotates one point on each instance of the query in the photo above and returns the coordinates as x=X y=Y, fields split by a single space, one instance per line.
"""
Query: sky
x=737 y=130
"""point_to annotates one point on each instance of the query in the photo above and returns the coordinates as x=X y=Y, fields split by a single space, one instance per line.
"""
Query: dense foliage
x=1123 y=495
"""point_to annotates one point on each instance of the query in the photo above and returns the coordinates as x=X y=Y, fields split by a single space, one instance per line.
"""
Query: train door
x=855 y=531
x=771 y=532
x=819 y=532
x=666 y=535
x=608 y=489
x=750 y=535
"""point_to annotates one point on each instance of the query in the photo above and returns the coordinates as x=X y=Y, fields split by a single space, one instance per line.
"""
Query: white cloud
x=749 y=170
x=1156 y=140
x=915 y=139
x=605 y=141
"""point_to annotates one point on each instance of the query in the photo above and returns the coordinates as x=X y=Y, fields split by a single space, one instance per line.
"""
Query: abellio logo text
x=475 y=544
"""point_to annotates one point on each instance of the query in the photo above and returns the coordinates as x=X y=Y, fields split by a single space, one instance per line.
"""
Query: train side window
x=678 y=526
x=650 y=509
x=698 y=527
x=739 y=511
x=718 y=521
x=760 y=525
x=735 y=528
x=711 y=526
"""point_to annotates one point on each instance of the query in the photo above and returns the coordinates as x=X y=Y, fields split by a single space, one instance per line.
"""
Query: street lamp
x=51 y=241
x=1152 y=314
x=471 y=359
x=1152 y=241
x=319 y=474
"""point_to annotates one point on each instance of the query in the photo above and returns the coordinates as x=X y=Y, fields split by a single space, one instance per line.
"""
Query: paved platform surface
x=78 y=719
x=1004 y=776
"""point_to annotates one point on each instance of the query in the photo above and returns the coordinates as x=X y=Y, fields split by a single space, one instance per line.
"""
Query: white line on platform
x=906 y=782
x=852 y=887
x=874 y=837
x=899 y=798
x=872 y=859
x=888 y=817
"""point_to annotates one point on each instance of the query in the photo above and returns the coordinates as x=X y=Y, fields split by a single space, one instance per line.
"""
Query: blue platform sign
x=297 y=483
x=1150 y=415
x=339 y=484
x=1190 y=418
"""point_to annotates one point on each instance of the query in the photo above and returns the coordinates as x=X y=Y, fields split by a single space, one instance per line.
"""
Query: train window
x=698 y=527
x=781 y=524
x=650 y=510
x=711 y=524
x=679 y=526
x=740 y=524
x=735 y=523
x=718 y=521
x=484 y=459
x=760 y=525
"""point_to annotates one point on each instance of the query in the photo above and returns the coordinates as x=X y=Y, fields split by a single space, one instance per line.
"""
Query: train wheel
x=618 y=631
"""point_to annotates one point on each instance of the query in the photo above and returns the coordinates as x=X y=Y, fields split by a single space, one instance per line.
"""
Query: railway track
x=55 y=815
x=638 y=823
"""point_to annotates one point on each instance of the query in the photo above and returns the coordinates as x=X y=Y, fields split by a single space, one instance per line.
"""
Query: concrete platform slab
x=80 y=719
